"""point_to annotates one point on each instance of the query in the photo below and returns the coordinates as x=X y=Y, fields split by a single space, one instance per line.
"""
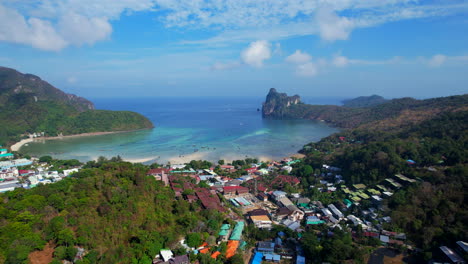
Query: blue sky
x=346 y=48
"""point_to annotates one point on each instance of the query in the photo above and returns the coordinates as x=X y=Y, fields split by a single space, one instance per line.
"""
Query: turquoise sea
x=189 y=128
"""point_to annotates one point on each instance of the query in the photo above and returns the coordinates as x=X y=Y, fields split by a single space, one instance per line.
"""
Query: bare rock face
x=277 y=104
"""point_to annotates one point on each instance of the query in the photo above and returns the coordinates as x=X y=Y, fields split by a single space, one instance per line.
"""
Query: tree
x=221 y=162
x=193 y=239
x=46 y=159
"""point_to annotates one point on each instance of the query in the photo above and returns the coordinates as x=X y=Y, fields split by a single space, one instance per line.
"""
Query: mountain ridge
x=29 y=104
x=399 y=111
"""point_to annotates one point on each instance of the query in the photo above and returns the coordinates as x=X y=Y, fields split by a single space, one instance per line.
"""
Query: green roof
x=315 y=222
x=363 y=195
x=237 y=232
x=404 y=178
x=359 y=186
x=1 y=150
x=347 y=202
x=374 y=191
x=6 y=155
x=381 y=188
x=225 y=227
x=223 y=232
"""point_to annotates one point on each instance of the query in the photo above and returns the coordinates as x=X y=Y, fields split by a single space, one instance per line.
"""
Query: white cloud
x=35 y=32
x=299 y=57
x=79 y=30
x=55 y=24
x=333 y=27
x=437 y=60
x=340 y=61
x=256 y=53
x=52 y=25
x=308 y=69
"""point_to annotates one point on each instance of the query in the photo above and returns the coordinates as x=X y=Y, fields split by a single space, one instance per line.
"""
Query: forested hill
x=28 y=105
x=364 y=101
x=391 y=114
x=433 y=210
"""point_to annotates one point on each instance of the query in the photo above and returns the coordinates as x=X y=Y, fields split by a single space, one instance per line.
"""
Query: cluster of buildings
x=11 y=177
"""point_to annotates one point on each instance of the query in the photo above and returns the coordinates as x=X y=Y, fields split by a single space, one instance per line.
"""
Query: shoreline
x=17 y=146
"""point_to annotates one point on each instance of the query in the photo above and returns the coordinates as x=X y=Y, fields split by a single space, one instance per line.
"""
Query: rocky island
x=372 y=112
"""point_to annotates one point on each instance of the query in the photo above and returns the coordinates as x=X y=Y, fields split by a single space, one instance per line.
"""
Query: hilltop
x=364 y=101
x=376 y=115
x=29 y=104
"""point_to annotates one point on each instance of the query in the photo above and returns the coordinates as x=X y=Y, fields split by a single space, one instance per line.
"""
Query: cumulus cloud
x=299 y=57
x=55 y=24
x=256 y=53
x=52 y=25
x=79 y=30
x=14 y=28
x=437 y=60
x=333 y=27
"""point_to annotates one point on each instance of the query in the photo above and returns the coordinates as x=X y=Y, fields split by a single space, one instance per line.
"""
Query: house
x=262 y=196
x=282 y=213
x=261 y=221
x=272 y=258
x=278 y=195
x=228 y=168
x=184 y=259
x=166 y=254
x=326 y=212
x=233 y=190
x=335 y=211
x=224 y=232
x=314 y=220
x=462 y=248
x=266 y=247
x=3 y=151
x=450 y=256
x=281 y=180
x=160 y=174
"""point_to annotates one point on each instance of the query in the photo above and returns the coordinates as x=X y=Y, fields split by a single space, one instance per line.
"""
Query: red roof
x=293 y=180
x=235 y=189
x=226 y=167
x=157 y=171
x=371 y=234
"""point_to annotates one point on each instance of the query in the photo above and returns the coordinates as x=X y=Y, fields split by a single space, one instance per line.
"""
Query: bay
x=187 y=128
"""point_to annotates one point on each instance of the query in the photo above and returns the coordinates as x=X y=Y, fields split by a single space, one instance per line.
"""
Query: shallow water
x=209 y=128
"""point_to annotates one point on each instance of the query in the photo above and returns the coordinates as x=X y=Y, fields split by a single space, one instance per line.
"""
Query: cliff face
x=367 y=112
x=277 y=104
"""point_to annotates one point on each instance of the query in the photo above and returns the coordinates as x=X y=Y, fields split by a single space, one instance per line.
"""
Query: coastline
x=17 y=146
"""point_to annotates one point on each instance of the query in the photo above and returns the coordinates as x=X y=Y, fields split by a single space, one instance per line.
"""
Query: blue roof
x=257 y=259
x=300 y=260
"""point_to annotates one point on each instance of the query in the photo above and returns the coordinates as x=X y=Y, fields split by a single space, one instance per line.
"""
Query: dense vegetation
x=402 y=112
x=433 y=211
x=111 y=209
x=364 y=101
x=30 y=105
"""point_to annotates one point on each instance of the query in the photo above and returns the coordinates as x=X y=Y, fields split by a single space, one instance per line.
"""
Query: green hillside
x=29 y=104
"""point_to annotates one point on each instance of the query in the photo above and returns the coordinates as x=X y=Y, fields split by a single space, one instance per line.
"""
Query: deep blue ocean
x=189 y=128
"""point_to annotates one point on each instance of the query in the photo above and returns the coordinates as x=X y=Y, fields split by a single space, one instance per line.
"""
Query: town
x=263 y=196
